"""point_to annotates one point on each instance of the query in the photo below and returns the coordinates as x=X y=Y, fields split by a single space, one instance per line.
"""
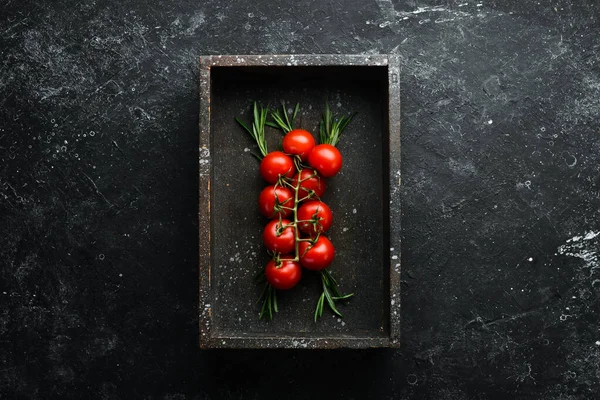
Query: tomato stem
x=296 y=234
x=306 y=198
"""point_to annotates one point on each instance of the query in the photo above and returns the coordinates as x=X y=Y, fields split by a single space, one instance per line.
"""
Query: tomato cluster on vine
x=298 y=218
x=296 y=191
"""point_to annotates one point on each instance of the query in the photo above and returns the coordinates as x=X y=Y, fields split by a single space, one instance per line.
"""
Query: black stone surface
x=98 y=199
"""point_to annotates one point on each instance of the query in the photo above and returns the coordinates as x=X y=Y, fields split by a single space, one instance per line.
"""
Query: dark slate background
x=98 y=199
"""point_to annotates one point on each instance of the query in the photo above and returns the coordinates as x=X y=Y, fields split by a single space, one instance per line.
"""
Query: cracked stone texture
x=98 y=199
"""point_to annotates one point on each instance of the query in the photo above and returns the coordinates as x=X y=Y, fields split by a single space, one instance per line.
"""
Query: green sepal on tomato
x=283 y=274
x=275 y=201
x=275 y=165
x=316 y=256
x=279 y=236
x=314 y=217
x=310 y=181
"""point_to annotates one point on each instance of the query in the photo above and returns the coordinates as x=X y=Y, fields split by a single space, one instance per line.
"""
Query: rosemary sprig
x=330 y=293
x=260 y=277
x=258 y=127
x=332 y=127
x=269 y=297
x=319 y=310
x=282 y=120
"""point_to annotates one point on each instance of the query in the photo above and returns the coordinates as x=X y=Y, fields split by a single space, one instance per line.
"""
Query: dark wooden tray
x=364 y=198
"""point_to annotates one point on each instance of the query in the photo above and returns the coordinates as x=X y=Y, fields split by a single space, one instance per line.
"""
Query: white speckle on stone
x=530 y=259
x=597 y=342
x=394 y=257
x=490 y=122
x=354 y=211
x=591 y=235
x=246 y=150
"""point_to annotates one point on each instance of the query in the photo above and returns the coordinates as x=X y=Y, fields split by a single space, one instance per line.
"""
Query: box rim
x=206 y=62
x=289 y=60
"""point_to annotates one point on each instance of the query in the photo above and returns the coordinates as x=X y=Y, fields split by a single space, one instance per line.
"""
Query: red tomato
x=326 y=159
x=316 y=215
x=310 y=181
x=316 y=256
x=283 y=276
x=298 y=142
x=272 y=199
x=282 y=241
x=275 y=164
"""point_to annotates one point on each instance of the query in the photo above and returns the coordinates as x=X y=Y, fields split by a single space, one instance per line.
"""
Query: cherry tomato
x=273 y=198
x=298 y=142
x=285 y=275
x=316 y=215
x=275 y=164
x=326 y=159
x=316 y=256
x=310 y=182
x=282 y=241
